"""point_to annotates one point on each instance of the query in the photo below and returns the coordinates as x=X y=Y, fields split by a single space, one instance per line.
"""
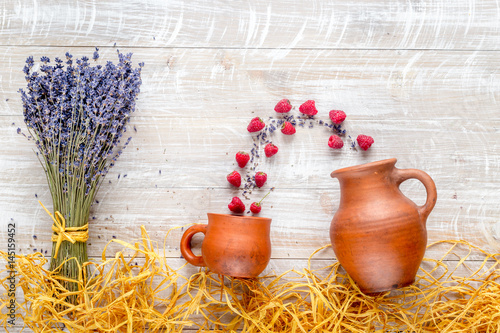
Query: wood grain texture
x=297 y=229
x=416 y=24
x=226 y=83
x=422 y=77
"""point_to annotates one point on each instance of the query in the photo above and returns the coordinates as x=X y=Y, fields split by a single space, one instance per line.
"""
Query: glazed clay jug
x=237 y=246
x=378 y=234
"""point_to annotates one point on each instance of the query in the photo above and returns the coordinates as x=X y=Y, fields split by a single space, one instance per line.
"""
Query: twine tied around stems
x=70 y=234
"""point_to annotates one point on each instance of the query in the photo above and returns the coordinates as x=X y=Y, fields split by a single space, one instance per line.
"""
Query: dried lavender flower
x=76 y=114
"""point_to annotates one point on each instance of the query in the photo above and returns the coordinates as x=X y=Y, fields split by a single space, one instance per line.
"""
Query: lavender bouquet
x=76 y=113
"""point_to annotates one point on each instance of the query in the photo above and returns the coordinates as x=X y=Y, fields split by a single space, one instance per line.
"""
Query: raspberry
x=364 y=141
x=270 y=149
x=234 y=178
x=255 y=208
x=236 y=205
x=288 y=128
x=256 y=124
x=337 y=116
x=260 y=178
x=283 y=106
x=242 y=158
x=335 y=142
x=308 y=108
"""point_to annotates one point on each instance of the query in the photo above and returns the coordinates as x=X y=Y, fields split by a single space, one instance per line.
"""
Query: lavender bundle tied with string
x=76 y=113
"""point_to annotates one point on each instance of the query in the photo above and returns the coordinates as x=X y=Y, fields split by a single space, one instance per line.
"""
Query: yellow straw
x=136 y=290
x=70 y=234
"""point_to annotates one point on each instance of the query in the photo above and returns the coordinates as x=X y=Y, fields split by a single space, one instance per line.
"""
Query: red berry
x=234 y=178
x=283 y=106
x=337 y=116
x=236 y=205
x=260 y=178
x=242 y=158
x=364 y=141
x=308 y=108
x=256 y=124
x=335 y=142
x=288 y=128
x=270 y=149
x=255 y=207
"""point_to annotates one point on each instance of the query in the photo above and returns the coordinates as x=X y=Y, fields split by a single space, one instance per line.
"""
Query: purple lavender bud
x=96 y=54
x=87 y=140
x=30 y=61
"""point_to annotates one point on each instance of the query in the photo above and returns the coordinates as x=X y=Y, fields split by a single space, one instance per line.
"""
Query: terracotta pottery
x=237 y=246
x=378 y=234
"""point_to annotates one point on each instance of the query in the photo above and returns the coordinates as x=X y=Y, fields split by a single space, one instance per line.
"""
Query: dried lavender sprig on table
x=77 y=113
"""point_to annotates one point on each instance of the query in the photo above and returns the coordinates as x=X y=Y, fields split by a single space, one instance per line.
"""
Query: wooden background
x=422 y=77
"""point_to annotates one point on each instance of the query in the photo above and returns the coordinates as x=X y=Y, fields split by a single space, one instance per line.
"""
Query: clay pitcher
x=378 y=234
x=237 y=246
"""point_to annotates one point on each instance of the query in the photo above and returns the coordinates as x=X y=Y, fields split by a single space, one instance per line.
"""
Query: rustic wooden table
x=421 y=77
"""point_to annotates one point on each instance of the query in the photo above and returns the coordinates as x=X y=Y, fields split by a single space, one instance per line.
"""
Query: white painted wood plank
x=389 y=85
x=258 y=24
x=301 y=219
x=186 y=152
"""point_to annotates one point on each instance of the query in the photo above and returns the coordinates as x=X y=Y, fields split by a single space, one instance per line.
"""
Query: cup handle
x=186 y=251
x=400 y=175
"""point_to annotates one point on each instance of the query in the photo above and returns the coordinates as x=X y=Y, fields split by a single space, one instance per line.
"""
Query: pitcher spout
x=372 y=167
x=361 y=181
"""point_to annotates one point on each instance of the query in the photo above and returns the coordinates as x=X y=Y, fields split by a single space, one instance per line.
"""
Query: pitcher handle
x=400 y=175
x=186 y=251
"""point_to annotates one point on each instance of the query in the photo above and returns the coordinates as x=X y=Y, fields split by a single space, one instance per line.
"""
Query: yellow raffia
x=123 y=296
x=63 y=233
